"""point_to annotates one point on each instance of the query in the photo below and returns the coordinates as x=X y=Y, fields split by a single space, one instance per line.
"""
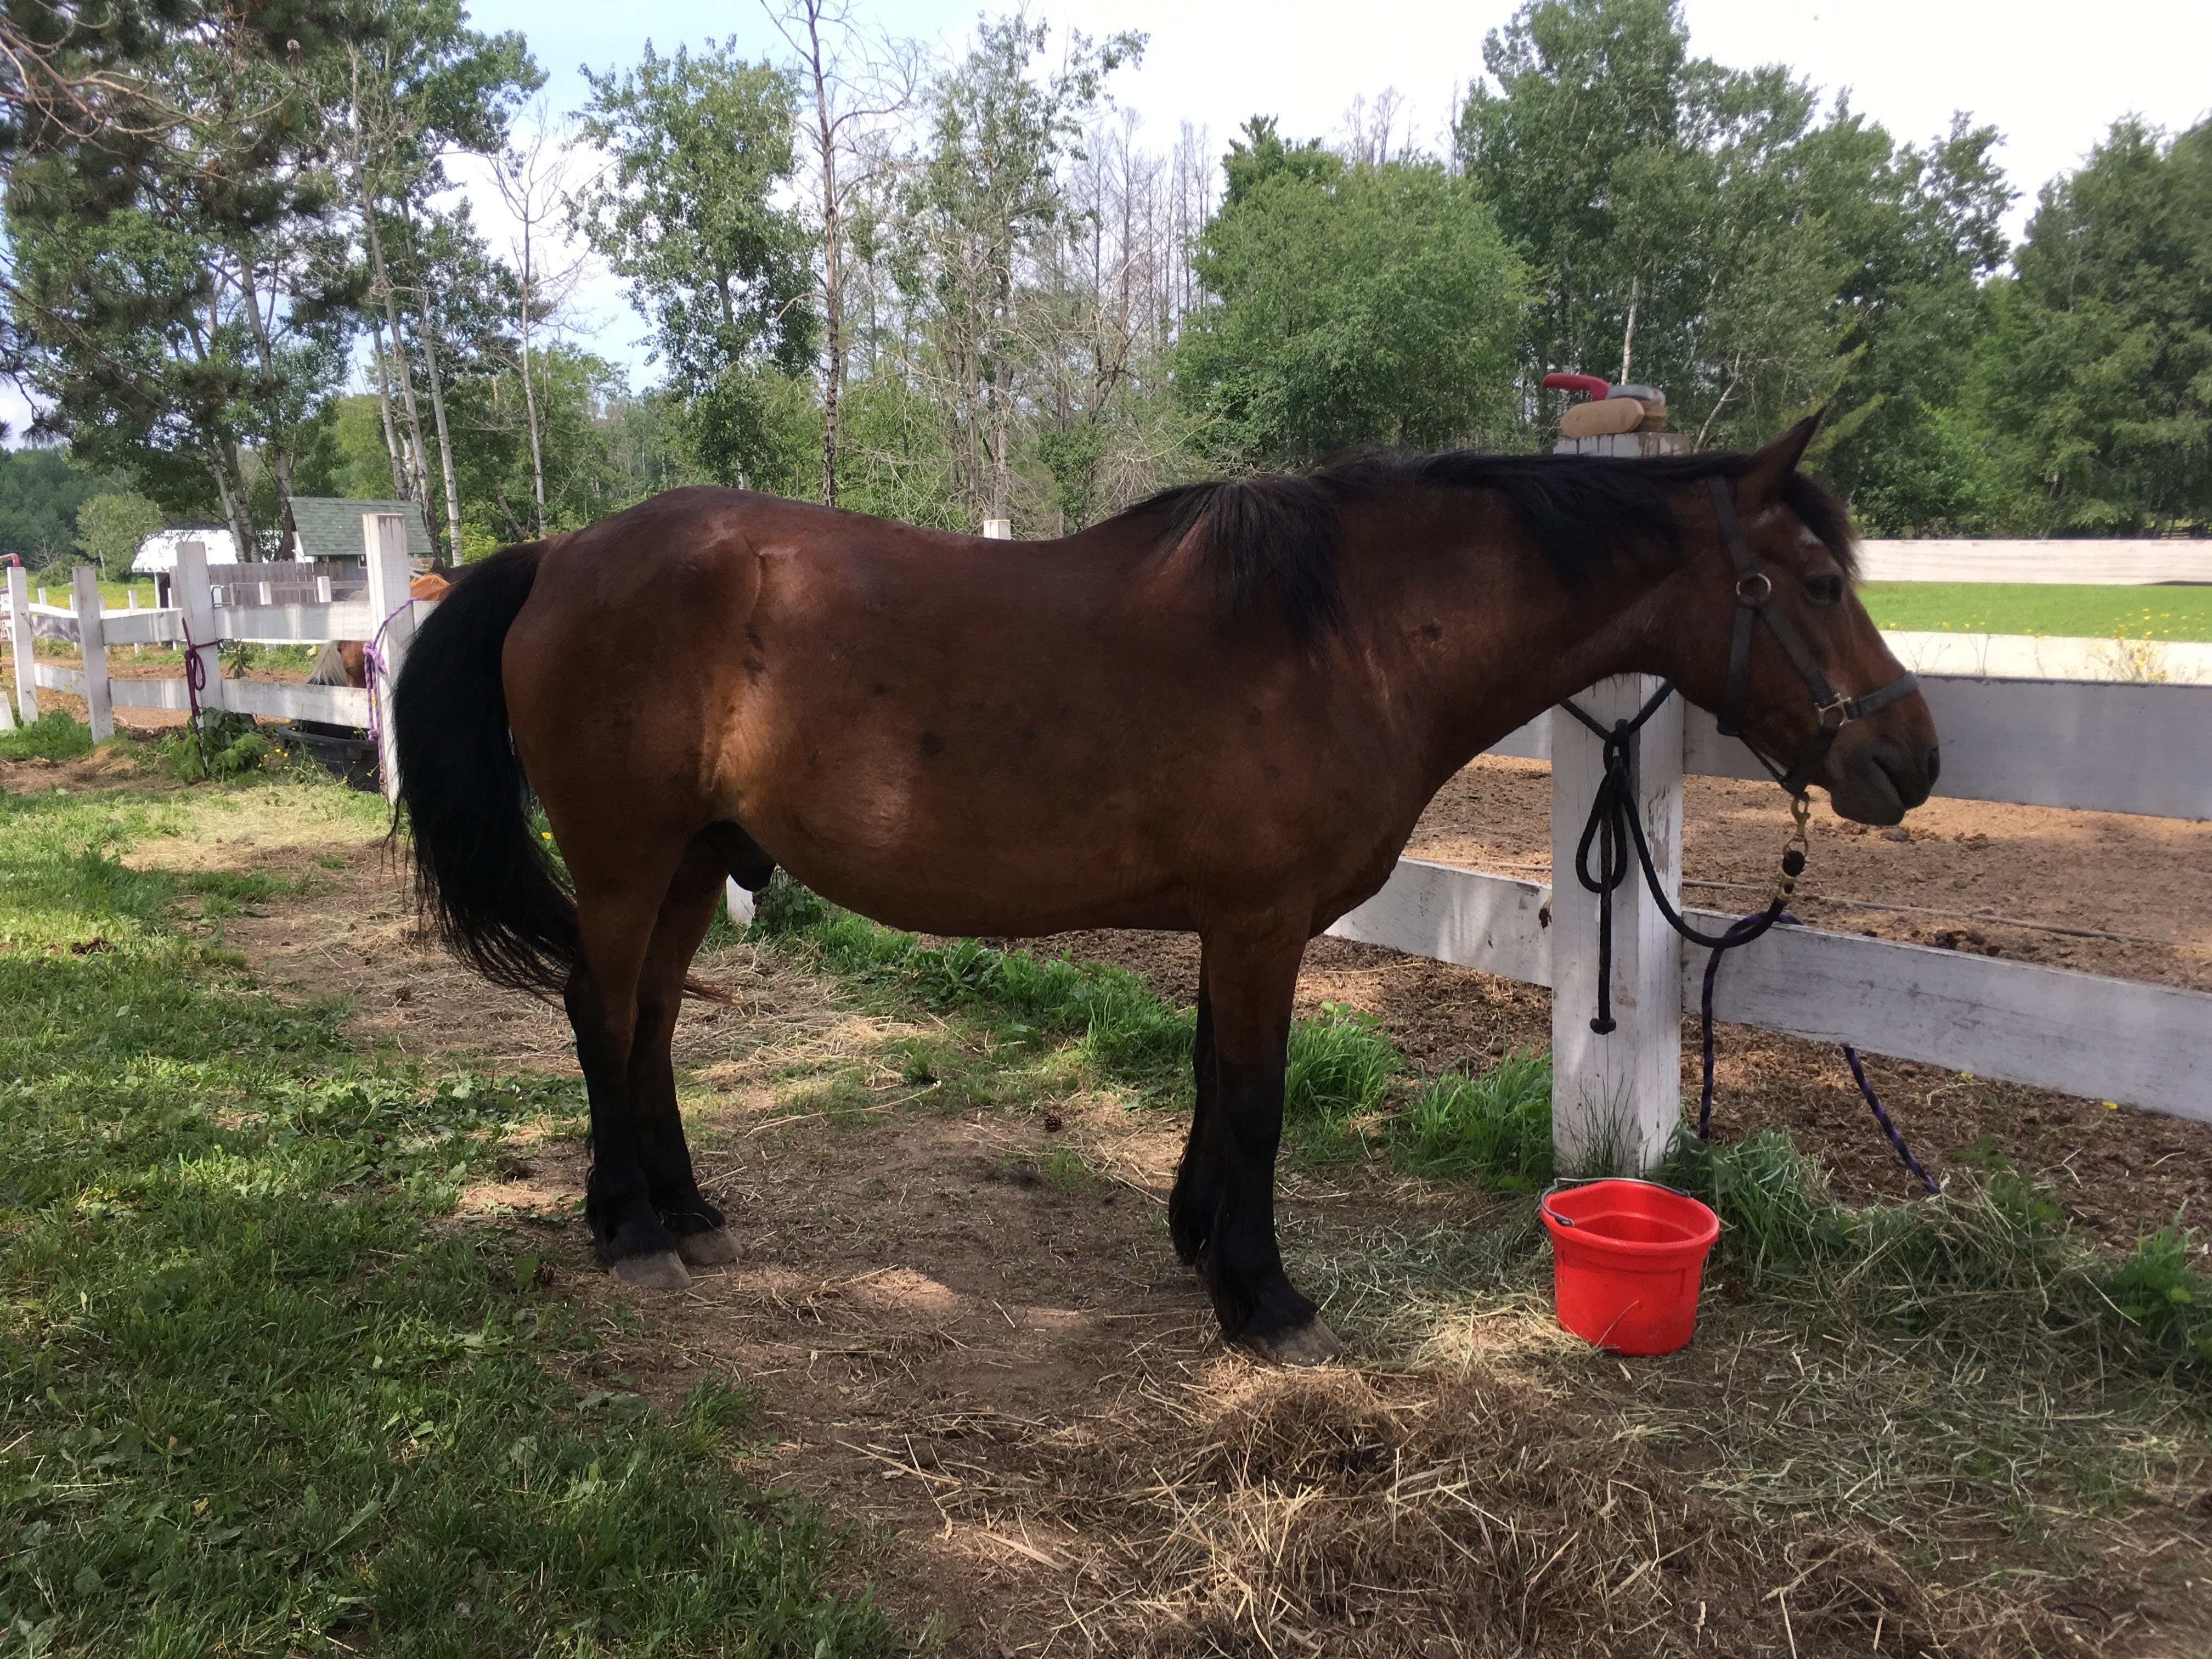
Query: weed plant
x=53 y=737
x=1494 y=1127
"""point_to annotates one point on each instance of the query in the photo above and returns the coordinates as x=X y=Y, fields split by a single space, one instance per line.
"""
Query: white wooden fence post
x=20 y=638
x=392 y=615
x=92 y=645
x=1616 y=1097
x=189 y=588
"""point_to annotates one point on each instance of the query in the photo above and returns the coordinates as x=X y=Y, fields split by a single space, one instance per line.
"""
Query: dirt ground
x=970 y=1338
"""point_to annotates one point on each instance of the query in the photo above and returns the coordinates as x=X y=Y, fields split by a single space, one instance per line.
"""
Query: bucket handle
x=1543 y=1201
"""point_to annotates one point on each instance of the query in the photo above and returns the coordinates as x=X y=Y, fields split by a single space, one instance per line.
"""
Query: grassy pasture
x=257 y=1393
x=2056 y=609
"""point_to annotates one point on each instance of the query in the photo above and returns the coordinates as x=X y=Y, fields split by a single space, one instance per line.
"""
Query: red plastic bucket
x=1626 y=1260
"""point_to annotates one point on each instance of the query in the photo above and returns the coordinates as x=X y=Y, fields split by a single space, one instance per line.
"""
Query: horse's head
x=1767 y=632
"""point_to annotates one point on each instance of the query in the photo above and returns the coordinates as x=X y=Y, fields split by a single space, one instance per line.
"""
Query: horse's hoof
x=662 y=1270
x=713 y=1249
x=1311 y=1344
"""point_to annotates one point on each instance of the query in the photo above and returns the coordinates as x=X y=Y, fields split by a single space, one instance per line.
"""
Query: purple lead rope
x=373 y=668
x=1850 y=1055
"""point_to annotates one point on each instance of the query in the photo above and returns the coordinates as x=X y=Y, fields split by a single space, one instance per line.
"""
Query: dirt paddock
x=969 y=1338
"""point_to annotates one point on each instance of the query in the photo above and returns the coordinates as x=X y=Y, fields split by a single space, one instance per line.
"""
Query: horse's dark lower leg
x=1197 y=1193
x=1250 y=984
x=626 y=1228
x=685 y=914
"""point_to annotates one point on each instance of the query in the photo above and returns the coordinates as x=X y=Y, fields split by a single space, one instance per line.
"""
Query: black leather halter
x=1754 y=601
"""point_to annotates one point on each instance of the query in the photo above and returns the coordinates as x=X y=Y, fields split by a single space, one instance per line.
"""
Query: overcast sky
x=2052 y=78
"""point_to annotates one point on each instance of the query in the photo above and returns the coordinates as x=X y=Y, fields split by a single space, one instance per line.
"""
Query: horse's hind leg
x=685 y=914
x=617 y=918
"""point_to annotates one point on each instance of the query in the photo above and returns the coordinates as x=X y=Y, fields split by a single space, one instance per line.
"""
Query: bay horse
x=1220 y=712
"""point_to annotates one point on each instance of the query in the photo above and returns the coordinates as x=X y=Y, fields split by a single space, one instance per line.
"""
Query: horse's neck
x=1487 y=638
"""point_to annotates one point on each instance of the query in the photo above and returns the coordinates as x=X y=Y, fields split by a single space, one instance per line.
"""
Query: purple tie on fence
x=373 y=668
x=195 y=676
x=1850 y=1056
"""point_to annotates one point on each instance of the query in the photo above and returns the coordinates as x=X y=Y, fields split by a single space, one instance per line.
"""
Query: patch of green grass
x=259 y=1393
x=1116 y=1025
x=1991 y=1259
x=54 y=736
x=1339 y=1069
x=2062 y=609
x=1494 y=1128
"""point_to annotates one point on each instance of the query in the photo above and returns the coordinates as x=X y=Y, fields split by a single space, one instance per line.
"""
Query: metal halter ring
x=1841 y=708
x=1750 y=595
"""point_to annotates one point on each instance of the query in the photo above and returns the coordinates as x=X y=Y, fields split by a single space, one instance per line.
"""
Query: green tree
x=1707 y=230
x=983 y=199
x=111 y=528
x=2098 y=377
x=185 y=334
x=411 y=85
x=700 y=148
x=40 y=491
x=1357 y=304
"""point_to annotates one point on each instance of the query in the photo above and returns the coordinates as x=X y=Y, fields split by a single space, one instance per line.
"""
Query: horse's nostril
x=1935 y=763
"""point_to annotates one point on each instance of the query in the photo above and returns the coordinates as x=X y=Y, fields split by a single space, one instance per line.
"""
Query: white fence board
x=2104 y=747
x=2120 y=563
x=338 y=705
x=2081 y=1033
x=1494 y=923
x=2107 y=1039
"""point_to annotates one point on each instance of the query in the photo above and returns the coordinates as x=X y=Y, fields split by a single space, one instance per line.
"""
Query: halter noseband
x=1755 y=600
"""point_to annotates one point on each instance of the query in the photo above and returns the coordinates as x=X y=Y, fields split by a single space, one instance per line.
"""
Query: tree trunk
x=529 y=395
x=426 y=316
x=445 y=444
x=833 y=279
x=280 y=456
x=383 y=281
x=383 y=403
x=232 y=508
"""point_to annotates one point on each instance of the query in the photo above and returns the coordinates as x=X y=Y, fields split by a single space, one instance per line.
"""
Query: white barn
x=157 y=554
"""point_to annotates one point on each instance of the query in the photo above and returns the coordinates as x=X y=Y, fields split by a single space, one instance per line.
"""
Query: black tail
x=485 y=882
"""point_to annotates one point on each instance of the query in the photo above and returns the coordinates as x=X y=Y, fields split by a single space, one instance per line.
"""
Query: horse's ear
x=1772 y=467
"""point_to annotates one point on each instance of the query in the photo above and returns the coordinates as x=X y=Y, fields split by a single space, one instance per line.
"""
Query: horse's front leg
x=1250 y=983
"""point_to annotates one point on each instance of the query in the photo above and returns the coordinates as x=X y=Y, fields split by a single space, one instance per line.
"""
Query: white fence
x=195 y=620
x=2123 y=748
x=2116 y=563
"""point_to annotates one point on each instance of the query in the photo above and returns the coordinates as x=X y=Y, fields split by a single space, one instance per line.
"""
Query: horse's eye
x=1825 y=590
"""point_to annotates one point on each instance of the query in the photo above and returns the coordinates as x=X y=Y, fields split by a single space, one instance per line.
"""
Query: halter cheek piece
x=1614 y=831
x=1754 y=601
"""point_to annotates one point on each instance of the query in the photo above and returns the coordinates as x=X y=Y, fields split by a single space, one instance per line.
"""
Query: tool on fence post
x=18 y=638
x=1616 y=1094
x=391 y=616
x=92 y=648
x=196 y=607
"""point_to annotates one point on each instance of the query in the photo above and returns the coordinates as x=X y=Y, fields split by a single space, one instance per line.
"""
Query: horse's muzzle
x=1882 y=781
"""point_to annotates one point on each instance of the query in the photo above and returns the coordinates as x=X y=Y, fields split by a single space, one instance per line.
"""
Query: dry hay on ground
x=1420 y=1512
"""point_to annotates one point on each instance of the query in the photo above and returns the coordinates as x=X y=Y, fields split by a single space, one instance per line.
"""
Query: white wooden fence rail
x=195 y=617
x=2115 y=563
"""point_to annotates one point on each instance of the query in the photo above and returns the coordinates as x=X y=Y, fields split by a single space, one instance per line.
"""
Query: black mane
x=1583 y=511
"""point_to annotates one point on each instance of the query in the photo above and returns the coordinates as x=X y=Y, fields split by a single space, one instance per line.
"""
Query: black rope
x=1850 y=1056
x=1615 y=828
